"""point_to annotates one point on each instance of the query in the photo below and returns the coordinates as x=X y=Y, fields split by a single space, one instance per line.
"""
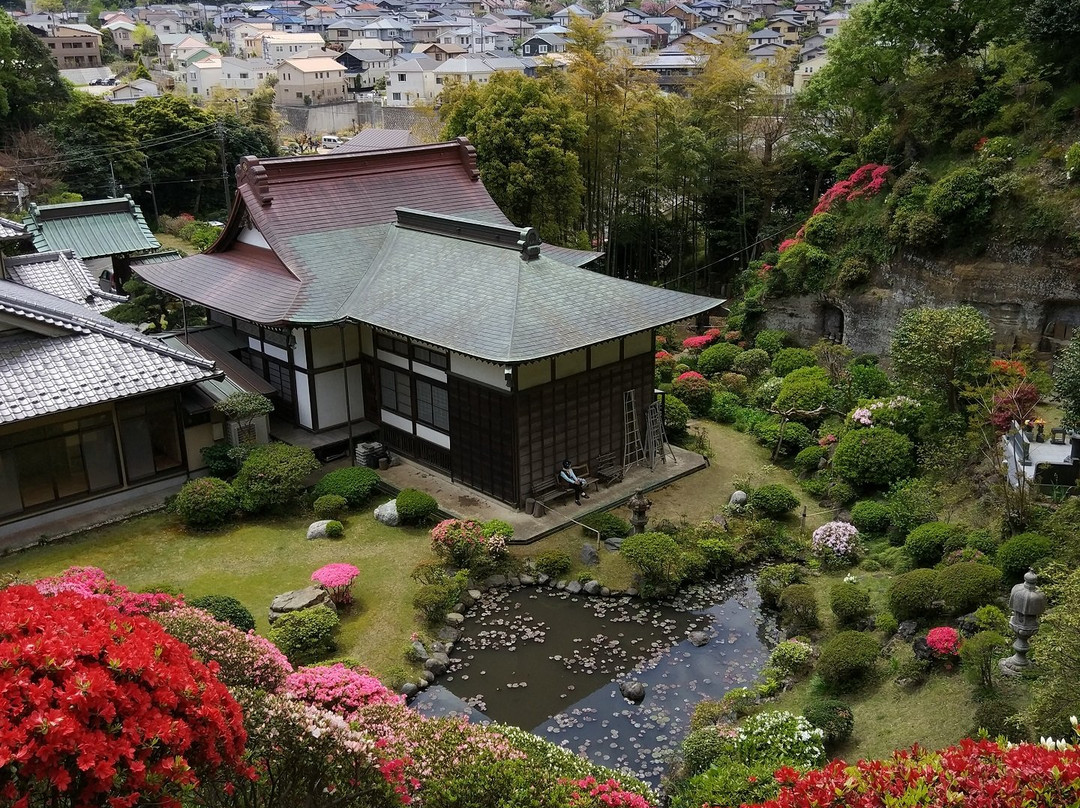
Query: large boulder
x=738 y=499
x=574 y=587
x=298 y=600
x=437 y=663
x=592 y=588
x=614 y=542
x=317 y=530
x=633 y=691
x=698 y=638
x=589 y=556
x=387 y=514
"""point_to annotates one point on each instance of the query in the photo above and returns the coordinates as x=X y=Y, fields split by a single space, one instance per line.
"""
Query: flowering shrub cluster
x=695 y=344
x=780 y=736
x=944 y=641
x=865 y=181
x=694 y=390
x=337 y=579
x=592 y=793
x=836 y=543
x=101 y=707
x=243 y=659
x=975 y=774
x=863 y=415
x=463 y=543
x=899 y=412
x=339 y=689
x=1008 y=367
x=91 y=582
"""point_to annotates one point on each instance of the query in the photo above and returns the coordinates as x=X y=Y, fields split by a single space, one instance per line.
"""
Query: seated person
x=571 y=479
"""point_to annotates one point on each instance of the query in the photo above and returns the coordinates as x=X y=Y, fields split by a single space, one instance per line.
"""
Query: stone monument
x=639 y=506
x=1027 y=602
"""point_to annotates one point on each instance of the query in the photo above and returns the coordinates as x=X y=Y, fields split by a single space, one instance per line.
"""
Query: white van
x=331 y=141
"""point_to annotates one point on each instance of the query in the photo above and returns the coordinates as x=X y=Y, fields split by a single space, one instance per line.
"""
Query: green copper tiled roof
x=91 y=229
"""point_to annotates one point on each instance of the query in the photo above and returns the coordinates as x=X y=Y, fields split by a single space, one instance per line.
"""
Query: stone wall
x=1020 y=299
x=352 y=115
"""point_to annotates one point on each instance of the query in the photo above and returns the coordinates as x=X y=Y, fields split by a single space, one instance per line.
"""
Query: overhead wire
x=107 y=152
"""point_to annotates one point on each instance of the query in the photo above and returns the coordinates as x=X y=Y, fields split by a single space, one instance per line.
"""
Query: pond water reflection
x=552 y=662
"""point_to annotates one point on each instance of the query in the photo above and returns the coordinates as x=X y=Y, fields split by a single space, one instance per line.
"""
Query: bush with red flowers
x=944 y=641
x=694 y=390
x=592 y=793
x=102 y=708
x=973 y=774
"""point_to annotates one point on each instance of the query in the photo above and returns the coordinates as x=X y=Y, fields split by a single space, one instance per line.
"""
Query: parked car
x=330 y=141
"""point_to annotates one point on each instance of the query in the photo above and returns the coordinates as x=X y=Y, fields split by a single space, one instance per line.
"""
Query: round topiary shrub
x=553 y=563
x=967 y=585
x=1018 y=554
x=414 y=506
x=886 y=624
x=751 y=363
x=798 y=606
x=334 y=529
x=694 y=390
x=871 y=517
x=205 y=503
x=925 y=545
x=306 y=635
x=808 y=460
x=608 y=525
x=718 y=358
x=702 y=747
x=497 y=527
x=794 y=439
x=724 y=407
x=789 y=359
x=804 y=390
x=873 y=457
x=655 y=559
x=272 y=476
x=849 y=602
x=773 y=500
x=227 y=609
x=774 y=579
x=911 y=594
x=771 y=340
x=676 y=416
x=356 y=484
x=983 y=541
x=792 y=657
x=847 y=658
x=833 y=717
x=330 y=506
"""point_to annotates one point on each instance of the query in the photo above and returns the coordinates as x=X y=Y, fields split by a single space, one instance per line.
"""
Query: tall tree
x=30 y=84
x=1067 y=381
x=100 y=147
x=526 y=137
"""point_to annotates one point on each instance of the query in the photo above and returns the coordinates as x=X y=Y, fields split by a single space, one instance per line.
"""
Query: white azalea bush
x=781 y=737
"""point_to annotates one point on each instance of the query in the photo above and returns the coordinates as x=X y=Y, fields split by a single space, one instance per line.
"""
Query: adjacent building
x=310 y=81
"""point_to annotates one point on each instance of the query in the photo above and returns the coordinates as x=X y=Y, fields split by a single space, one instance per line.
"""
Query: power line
x=729 y=257
x=105 y=152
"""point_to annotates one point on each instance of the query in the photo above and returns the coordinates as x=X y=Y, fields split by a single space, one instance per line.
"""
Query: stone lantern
x=1027 y=602
x=639 y=506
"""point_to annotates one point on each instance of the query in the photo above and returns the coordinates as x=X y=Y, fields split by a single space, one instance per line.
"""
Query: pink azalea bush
x=462 y=543
x=337 y=579
x=592 y=793
x=339 y=689
x=243 y=659
x=91 y=582
x=836 y=543
x=944 y=641
x=865 y=181
x=696 y=344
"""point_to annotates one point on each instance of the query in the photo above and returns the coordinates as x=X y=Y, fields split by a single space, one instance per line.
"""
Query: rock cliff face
x=1030 y=301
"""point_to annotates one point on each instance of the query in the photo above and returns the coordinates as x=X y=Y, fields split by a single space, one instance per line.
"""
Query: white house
x=312 y=80
x=808 y=69
x=412 y=80
x=629 y=41
x=123 y=35
x=187 y=47
x=244 y=75
x=203 y=76
x=279 y=46
x=242 y=37
x=132 y=91
x=563 y=16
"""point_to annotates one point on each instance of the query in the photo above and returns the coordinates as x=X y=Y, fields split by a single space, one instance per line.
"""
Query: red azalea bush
x=591 y=793
x=91 y=582
x=339 y=689
x=694 y=390
x=1008 y=367
x=944 y=641
x=462 y=542
x=105 y=708
x=867 y=180
x=973 y=774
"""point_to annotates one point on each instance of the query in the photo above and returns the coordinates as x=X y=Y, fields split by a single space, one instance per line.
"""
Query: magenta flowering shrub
x=337 y=579
x=462 y=543
x=944 y=641
x=91 y=582
x=243 y=659
x=696 y=344
x=593 y=793
x=339 y=689
x=836 y=544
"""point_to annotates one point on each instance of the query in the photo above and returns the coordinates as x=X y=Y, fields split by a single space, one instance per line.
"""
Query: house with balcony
x=411 y=306
x=71 y=45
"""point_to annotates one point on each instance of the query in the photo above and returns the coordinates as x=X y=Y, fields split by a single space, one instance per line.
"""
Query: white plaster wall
x=474 y=369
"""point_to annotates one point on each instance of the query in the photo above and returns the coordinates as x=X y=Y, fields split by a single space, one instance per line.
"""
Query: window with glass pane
x=396 y=392
x=436 y=359
x=432 y=405
x=149 y=438
x=387 y=343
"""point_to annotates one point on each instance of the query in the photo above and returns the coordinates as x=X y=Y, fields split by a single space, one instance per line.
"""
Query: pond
x=551 y=662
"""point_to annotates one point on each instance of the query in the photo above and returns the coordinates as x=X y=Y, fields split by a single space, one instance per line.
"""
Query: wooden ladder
x=633 y=451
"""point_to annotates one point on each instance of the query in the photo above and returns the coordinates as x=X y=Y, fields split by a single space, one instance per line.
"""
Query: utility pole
x=224 y=169
x=153 y=191
x=112 y=180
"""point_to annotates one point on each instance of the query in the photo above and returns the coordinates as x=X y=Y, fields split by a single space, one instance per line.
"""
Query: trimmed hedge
x=356 y=484
x=833 y=717
x=798 y=606
x=306 y=635
x=227 y=609
x=847 y=658
x=849 y=602
x=773 y=500
x=1019 y=553
x=414 y=506
x=771 y=340
x=330 y=506
x=789 y=359
x=718 y=358
x=205 y=503
x=774 y=579
x=871 y=517
x=925 y=545
x=608 y=524
x=676 y=416
x=968 y=585
x=272 y=476
x=808 y=460
x=873 y=457
x=911 y=594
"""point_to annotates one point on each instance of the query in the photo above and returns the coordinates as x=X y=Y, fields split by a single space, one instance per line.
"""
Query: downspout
x=348 y=401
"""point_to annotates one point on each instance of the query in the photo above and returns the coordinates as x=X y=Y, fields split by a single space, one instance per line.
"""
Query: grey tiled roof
x=12 y=231
x=62 y=274
x=69 y=357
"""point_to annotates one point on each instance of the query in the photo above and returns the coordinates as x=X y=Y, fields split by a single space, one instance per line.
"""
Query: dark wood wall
x=579 y=418
x=482 y=438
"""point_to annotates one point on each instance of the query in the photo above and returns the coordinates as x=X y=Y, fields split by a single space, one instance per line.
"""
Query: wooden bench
x=549 y=491
x=582 y=471
x=608 y=468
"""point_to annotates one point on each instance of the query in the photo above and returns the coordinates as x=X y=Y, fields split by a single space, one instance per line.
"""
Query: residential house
x=542 y=45
x=71 y=45
x=245 y=37
x=673 y=25
x=389 y=47
x=344 y=30
x=164 y=22
x=413 y=306
x=807 y=70
x=365 y=67
x=277 y=47
x=412 y=80
x=789 y=25
x=105 y=233
x=738 y=19
x=132 y=91
x=122 y=33
x=671 y=71
x=92 y=413
x=698 y=38
x=203 y=76
x=690 y=17
x=377 y=140
x=766 y=36
x=438 y=51
x=190 y=49
x=245 y=76
x=563 y=15
x=312 y=80
x=830 y=23
x=812 y=46
x=474 y=69
x=387 y=30
x=627 y=41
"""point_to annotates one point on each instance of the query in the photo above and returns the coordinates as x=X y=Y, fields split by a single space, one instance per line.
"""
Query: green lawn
x=254 y=561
